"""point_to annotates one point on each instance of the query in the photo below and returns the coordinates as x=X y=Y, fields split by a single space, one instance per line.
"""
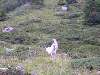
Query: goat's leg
x=53 y=55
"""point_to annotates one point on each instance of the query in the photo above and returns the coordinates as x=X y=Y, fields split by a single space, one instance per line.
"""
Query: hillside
x=36 y=25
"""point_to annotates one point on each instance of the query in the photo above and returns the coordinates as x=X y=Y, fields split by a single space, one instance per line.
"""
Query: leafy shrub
x=18 y=38
x=62 y=2
x=92 y=41
x=2 y=15
x=85 y=62
x=38 y=2
x=1 y=51
x=98 y=5
x=21 y=52
x=87 y=51
x=92 y=11
x=9 y=5
x=74 y=15
x=12 y=70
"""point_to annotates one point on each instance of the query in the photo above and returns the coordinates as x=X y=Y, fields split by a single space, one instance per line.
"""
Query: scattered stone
x=64 y=8
x=8 y=51
x=98 y=73
x=8 y=29
x=72 y=1
x=60 y=13
x=3 y=71
x=20 y=69
x=94 y=19
x=3 y=18
x=61 y=10
x=90 y=68
x=73 y=15
x=19 y=40
x=33 y=73
x=36 y=19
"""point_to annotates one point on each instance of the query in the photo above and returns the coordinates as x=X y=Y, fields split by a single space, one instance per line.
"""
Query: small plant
x=2 y=15
x=86 y=63
x=92 y=12
x=21 y=52
x=38 y=2
x=62 y=2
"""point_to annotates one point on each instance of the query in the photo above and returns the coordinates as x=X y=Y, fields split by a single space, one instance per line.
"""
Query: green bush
x=38 y=2
x=62 y=2
x=10 y=5
x=2 y=15
x=21 y=52
x=18 y=38
x=85 y=62
x=92 y=6
x=88 y=51
x=98 y=5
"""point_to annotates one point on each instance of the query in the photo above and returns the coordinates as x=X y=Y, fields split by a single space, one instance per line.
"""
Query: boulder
x=72 y=1
x=8 y=29
x=94 y=19
x=3 y=71
x=60 y=13
x=73 y=15
x=36 y=19
x=98 y=73
x=64 y=8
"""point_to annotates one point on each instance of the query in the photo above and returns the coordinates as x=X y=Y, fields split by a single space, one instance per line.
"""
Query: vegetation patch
x=86 y=63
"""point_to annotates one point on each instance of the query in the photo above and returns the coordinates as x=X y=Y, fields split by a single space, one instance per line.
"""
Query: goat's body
x=52 y=49
x=49 y=49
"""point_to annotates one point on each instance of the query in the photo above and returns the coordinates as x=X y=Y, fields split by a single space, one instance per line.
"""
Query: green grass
x=1 y=50
x=43 y=65
x=51 y=26
x=85 y=62
x=72 y=36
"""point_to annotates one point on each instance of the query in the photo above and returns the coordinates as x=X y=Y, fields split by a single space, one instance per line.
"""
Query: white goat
x=52 y=49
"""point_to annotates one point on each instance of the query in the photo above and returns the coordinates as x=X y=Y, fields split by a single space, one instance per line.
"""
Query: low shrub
x=3 y=16
x=21 y=52
x=92 y=16
x=18 y=38
x=85 y=62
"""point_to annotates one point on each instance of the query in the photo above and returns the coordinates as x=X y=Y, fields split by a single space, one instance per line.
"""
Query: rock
x=94 y=19
x=19 y=40
x=73 y=15
x=98 y=73
x=72 y=1
x=3 y=18
x=3 y=71
x=20 y=69
x=8 y=29
x=33 y=73
x=36 y=19
x=64 y=8
x=9 y=51
x=60 y=13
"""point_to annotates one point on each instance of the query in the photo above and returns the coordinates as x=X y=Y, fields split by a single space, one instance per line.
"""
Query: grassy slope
x=65 y=30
